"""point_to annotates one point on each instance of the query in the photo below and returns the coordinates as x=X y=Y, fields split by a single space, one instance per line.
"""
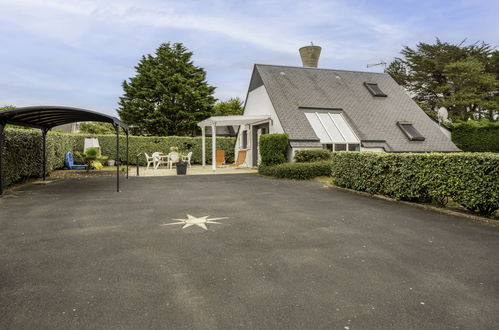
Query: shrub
x=150 y=144
x=23 y=157
x=476 y=136
x=312 y=155
x=273 y=149
x=23 y=153
x=469 y=179
x=297 y=171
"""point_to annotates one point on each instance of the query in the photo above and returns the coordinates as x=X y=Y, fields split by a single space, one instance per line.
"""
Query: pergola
x=215 y=121
x=47 y=117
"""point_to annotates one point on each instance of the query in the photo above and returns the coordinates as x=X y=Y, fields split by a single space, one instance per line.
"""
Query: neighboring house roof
x=295 y=90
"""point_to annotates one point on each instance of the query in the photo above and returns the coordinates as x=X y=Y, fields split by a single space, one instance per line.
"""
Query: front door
x=257 y=131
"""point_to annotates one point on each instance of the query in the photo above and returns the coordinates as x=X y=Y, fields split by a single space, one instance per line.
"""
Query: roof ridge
x=325 y=69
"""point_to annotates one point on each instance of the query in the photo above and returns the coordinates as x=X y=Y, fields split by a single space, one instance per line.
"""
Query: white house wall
x=258 y=104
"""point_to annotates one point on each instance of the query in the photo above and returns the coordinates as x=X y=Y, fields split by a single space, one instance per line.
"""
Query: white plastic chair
x=187 y=158
x=172 y=158
x=150 y=160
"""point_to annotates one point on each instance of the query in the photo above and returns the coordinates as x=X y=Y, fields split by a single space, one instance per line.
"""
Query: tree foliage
x=168 y=95
x=7 y=107
x=462 y=78
x=97 y=128
x=231 y=107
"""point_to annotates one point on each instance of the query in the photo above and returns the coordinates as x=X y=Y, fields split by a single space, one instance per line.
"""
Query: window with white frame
x=333 y=131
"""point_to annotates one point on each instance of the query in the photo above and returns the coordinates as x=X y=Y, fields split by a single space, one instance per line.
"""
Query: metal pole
x=213 y=148
x=2 y=126
x=127 y=153
x=44 y=153
x=117 y=158
x=138 y=163
x=203 y=143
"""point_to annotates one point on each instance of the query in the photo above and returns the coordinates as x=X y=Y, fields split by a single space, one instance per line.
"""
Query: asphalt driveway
x=285 y=255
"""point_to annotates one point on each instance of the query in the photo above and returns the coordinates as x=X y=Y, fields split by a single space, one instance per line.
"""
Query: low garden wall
x=23 y=155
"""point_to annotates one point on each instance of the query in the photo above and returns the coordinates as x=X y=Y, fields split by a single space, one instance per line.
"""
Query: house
x=333 y=109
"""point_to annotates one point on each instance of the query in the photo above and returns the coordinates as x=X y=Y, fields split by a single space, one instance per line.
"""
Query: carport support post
x=2 y=126
x=117 y=158
x=44 y=152
x=213 y=147
x=203 y=145
x=127 y=153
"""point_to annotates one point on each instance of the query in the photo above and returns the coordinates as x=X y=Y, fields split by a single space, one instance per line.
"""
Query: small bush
x=312 y=155
x=476 y=136
x=273 y=149
x=470 y=179
x=297 y=171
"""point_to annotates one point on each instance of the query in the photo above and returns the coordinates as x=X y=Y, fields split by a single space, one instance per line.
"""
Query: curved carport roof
x=47 y=117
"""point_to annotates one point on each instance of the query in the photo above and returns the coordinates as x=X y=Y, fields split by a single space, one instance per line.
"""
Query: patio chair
x=187 y=158
x=69 y=163
x=220 y=158
x=241 y=158
x=161 y=159
x=173 y=158
x=151 y=160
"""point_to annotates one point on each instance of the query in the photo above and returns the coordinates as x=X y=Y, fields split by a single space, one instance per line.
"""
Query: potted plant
x=110 y=162
x=92 y=158
x=181 y=166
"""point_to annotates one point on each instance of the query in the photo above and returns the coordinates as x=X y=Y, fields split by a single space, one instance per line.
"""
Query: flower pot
x=110 y=162
x=181 y=168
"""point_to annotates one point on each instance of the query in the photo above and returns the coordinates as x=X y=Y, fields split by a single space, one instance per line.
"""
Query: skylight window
x=374 y=89
x=410 y=131
x=332 y=129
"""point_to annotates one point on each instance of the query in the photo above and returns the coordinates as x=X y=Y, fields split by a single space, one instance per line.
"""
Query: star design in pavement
x=194 y=221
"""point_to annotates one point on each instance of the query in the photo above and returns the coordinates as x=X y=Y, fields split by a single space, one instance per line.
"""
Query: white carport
x=215 y=121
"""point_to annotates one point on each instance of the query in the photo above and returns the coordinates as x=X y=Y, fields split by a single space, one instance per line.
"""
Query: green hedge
x=476 y=136
x=312 y=155
x=297 y=171
x=23 y=153
x=273 y=149
x=469 y=179
x=23 y=157
x=147 y=144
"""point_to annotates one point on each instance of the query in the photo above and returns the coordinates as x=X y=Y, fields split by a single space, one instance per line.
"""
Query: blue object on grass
x=69 y=162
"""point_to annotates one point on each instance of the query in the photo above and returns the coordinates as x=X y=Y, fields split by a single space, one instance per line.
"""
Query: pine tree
x=169 y=95
x=463 y=78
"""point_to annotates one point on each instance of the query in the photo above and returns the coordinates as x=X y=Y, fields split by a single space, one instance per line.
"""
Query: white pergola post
x=203 y=144
x=214 y=147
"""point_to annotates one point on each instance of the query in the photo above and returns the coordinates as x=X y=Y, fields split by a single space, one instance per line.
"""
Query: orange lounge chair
x=220 y=158
x=241 y=158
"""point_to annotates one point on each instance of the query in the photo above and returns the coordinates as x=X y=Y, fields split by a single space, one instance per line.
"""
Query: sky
x=78 y=53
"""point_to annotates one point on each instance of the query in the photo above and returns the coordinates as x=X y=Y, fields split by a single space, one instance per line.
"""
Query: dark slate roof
x=294 y=89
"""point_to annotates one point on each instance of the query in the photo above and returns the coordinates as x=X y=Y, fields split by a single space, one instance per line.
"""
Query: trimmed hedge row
x=312 y=155
x=469 y=179
x=23 y=153
x=148 y=144
x=273 y=148
x=476 y=136
x=297 y=171
x=23 y=156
